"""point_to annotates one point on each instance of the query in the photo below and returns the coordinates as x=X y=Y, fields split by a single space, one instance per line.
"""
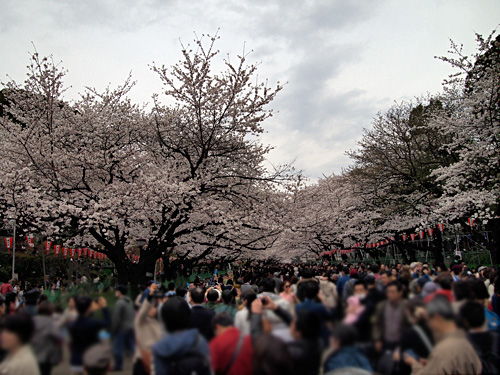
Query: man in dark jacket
x=183 y=350
x=485 y=342
x=122 y=326
x=84 y=331
x=201 y=317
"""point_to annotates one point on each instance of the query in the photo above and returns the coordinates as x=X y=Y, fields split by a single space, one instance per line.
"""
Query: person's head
x=176 y=314
x=472 y=315
x=72 y=302
x=287 y=287
x=120 y=291
x=462 y=290
x=429 y=289
x=17 y=330
x=385 y=277
x=311 y=289
x=360 y=289
x=345 y=271
x=271 y=356
x=248 y=296
x=197 y=296
x=479 y=290
x=97 y=360
x=405 y=270
x=221 y=322
x=394 y=291
x=171 y=286
x=343 y=335
x=305 y=326
x=415 y=311
x=46 y=308
x=227 y=297
x=181 y=292
x=457 y=269
x=415 y=267
x=353 y=273
x=213 y=295
x=370 y=281
x=268 y=285
x=445 y=280
x=440 y=314
x=83 y=305
x=32 y=296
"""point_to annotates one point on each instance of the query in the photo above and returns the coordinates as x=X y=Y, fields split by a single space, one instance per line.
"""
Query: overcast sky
x=343 y=61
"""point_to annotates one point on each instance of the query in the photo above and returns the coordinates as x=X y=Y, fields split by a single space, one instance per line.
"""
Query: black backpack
x=489 y=358
x=192 y=363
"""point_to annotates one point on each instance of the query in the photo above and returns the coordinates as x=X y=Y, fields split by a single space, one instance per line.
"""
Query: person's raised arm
x=278 y=310
x=103 y=305
x=256 y=319
x=146 y=305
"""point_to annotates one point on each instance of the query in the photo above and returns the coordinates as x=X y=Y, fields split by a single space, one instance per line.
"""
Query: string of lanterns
x=404 y=237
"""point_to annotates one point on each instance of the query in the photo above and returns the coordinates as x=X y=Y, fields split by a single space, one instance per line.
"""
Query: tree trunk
x=136 y=274
x=438 y=248
x=493 y=227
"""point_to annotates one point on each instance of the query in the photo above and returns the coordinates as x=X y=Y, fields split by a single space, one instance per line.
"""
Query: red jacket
x=221 y=351
x=5 y=288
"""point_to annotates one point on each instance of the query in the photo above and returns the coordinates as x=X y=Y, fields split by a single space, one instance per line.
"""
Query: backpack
x=192 y=363
x=493 y=321
x=489 y=358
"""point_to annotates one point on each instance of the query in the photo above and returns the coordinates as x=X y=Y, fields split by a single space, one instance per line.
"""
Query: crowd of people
x=268 y=319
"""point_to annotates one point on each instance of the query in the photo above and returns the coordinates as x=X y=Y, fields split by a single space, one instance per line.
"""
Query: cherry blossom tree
x=190 y=177
x=471 y=184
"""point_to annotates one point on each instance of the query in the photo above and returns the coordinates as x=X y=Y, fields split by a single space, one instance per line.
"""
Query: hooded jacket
x=177 y=345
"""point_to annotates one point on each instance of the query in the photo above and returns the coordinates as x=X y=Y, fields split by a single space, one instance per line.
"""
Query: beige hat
x=97 y=357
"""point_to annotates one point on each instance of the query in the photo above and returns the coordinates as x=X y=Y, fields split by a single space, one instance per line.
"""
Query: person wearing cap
x=122 y=326
x=17 y=331
x=97 y=360
x=429 y=289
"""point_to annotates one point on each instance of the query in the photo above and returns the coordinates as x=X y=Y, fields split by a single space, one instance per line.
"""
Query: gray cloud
x=343 y=61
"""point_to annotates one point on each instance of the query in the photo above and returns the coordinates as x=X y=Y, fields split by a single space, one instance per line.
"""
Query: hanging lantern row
x=342 y=252
x=133 y=258
x=404 y=237
x=58 y=249
x=74 y=253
